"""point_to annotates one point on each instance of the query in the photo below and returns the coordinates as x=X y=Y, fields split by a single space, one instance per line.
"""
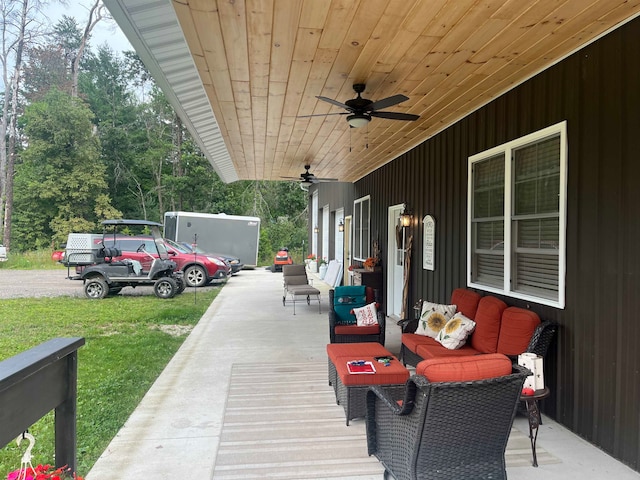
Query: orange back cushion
x=466 y=301
x=488 y=318
x=516 y=330
x=464 y=369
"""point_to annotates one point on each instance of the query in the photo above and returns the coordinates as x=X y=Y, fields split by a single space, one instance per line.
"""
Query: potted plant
x=322 y=268
x=371 y=263
x=312 y=265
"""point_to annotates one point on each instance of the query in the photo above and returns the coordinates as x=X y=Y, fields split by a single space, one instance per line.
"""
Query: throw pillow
x=433 y=318
x=366 y=316
x=455 y=332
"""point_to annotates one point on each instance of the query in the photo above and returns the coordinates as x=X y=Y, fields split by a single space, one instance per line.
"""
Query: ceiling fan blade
x=325 y=179
x=322 y=114
x=290 y=178
x=388 y=102
x=395 y=116
x=333 y=102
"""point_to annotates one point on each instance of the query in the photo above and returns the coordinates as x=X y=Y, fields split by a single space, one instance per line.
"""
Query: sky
x=107 y=31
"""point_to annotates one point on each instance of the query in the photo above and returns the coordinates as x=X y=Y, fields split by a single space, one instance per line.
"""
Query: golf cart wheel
x=195 y=276
x=181 y=285
x=96 y=288
x=165 y=287
x=308 y=300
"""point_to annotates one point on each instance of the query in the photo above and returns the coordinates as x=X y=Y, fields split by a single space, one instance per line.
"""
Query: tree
x=18 y=17
x=61 y=178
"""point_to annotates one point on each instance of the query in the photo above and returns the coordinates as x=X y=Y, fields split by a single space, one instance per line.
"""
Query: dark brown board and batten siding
x=594 y=366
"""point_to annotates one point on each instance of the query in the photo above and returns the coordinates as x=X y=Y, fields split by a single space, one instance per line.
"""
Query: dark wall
x=594 y=366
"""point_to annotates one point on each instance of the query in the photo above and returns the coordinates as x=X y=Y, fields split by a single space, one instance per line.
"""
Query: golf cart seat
x=107 y=253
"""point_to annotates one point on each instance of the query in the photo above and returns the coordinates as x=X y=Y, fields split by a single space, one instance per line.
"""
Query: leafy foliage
x=120 y=150
x=60 y=185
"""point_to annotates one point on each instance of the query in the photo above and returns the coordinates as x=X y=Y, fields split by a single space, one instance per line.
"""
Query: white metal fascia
x=153 y=30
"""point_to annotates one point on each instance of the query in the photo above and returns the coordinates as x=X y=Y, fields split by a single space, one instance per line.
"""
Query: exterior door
x=395 y=260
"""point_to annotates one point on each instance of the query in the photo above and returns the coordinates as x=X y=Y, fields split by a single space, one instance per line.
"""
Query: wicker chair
x=342 y=327
x=444 y=430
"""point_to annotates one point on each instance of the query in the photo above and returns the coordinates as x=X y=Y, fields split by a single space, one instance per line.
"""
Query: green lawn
x=129 y=340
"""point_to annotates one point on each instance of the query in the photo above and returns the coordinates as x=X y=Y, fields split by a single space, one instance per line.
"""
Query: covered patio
x=247 y=397
x=262 y=87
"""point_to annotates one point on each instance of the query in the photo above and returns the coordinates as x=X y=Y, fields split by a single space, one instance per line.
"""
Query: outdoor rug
x=282 y=421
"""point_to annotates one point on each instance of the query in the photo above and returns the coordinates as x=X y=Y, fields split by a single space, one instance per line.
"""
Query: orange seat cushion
x=356 y=330
x=412 y=340
x=488 y=318
x=466 y=301
x=368 y=349
x=439 y=351
x=465 y=369
x=395 y=373
x=518 y=326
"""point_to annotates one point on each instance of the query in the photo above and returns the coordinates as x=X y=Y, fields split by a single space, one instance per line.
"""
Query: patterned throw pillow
x=366 y=316
x=456 y=331
x=433 y=318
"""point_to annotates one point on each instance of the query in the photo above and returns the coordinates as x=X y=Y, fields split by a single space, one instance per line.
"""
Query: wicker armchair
x=340 y=330
x=444 y=430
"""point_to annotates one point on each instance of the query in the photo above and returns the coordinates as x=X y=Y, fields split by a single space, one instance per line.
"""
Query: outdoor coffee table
x=533 y=414
x=362 y=349
x=352 y=388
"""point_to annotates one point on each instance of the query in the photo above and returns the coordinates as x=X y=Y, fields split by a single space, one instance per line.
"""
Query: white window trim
x=506 y=149
x=358 y=204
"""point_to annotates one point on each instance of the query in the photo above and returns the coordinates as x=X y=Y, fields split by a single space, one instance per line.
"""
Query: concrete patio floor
x=177 y=427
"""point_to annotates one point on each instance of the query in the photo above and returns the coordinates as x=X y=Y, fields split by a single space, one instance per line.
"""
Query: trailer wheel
x=165 y=287
x=195 y=276
x=96 y=288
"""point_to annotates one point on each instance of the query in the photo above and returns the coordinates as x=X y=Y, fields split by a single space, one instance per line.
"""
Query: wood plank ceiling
x=263 y=62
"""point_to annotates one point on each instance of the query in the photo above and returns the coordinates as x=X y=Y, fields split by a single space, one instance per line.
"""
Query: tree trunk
x=177 y=197
x=13 y=125
x=91 y=23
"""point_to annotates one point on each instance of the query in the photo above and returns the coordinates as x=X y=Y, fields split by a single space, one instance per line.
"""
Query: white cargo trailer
x=234 y=235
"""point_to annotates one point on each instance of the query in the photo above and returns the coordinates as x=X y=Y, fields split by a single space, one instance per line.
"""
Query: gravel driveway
x=54 y=283
x=37 y=283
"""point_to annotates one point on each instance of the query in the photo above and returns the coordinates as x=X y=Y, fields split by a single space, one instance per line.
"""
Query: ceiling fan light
x=358 y=120
x=306 y=183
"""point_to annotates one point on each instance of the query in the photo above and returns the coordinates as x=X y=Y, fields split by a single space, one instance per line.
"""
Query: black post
x=35 y=382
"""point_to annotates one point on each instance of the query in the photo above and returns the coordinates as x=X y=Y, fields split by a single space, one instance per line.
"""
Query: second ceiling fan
x=360 y=110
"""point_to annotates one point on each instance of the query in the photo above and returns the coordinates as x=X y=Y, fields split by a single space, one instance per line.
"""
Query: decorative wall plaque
x=428 y=243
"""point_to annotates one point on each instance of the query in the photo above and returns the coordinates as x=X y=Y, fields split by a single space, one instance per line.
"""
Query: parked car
x=198 y=270
x=234 y=262
x=3 y=253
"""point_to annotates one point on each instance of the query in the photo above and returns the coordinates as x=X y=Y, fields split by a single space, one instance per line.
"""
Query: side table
x=533 y=414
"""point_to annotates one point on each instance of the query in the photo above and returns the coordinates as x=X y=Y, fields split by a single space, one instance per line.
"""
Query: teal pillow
x=345 y=299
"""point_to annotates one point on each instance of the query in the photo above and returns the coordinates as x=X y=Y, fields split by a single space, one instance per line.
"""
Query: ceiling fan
x=307 y=178
x=360 y=110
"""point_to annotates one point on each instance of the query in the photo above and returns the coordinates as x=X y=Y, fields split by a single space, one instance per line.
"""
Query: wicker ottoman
x=351 y=389
x=336 y=350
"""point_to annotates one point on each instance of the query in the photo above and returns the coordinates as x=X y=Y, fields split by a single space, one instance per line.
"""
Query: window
x=361 y=236
x=516 y=219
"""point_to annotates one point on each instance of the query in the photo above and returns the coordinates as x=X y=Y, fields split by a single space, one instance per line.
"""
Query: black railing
x=35 y=382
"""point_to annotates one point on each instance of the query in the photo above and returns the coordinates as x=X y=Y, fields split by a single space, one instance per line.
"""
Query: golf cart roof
x=124 y=221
